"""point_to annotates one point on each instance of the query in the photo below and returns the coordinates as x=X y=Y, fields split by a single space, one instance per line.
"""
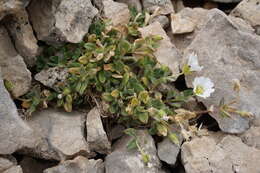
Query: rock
x=167 y=53
x=14 y=132
x=219 y=154
x=210 y=5
x=62 y=134
x=249 y=10
x=252 y=137
x=31 y=165
x=8 y=7
x=22 y=34
x=117 y=12
x=226 y=1
x=12 y=66
x=178 y=5
x=7 y=162
x=78 y=165
x=56 y=21
x=168 y=151
x=52 y=77
x=181 y=25
x=116 y=132
x=130 y=161
x=236 y=58
x=163 y=20
x=14 y=169
x=96 y=135
x=166 y=6
x=132 y=3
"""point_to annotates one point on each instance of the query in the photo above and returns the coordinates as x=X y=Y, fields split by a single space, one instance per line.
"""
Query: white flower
x=193 y=62
x=165 y=118
x=203 y=87
x=60 y=96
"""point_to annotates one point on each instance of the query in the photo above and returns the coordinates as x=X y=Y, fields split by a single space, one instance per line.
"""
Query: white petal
x=194 y=63
x=206 y=84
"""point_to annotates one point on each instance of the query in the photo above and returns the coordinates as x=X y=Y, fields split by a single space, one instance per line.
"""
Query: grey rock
x=226 y=1
x=218 y=154
x=22 y=34
x=96 y=136
x=12 y=66
x=163 y=20
x=52 y=77
x=7 y=162
x=133 y=3
x=249 y=10
x=14 y=169
x=117 y=12
x=62 y=134
x=14 y=132
x=130 y=161
x=8 y=7
x=236 y=58
x=167 y=53
x=166 y=6
x=252 y=137
x=116 y=132
x=78 y=165
x=57 y=21
x=168 y=151
x=180 y=24
x=178 y=5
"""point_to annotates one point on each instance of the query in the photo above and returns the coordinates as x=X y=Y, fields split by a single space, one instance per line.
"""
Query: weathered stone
x=7 y=162
x=249 y=10
x=96 y=136
x=163 y=20
x=210 y=5
x=226 y=1
x=130 y=161
x=168 y=151
x=62 y=134
x=252 y=137
x=132 y=3
x=31 y=165
x=236 y=58
x=178 y=5
x=12 y=66
x=117 y=132
x=167 y=53
x=8 y=7
x=166 y=6
x=58 y=21
x=181 y=25
x=218 y=154
x=14 y=169
x=14 y=132
x=52 y=77
x=78 y=165
x=117 y=12
x=22 y=34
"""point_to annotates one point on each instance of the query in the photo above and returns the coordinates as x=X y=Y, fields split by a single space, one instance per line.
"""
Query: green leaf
x=107 y=97
x=101 y=76
x=145 y=158
x=186 y=69
x=130 y=132
x=143 y=117
x=161 y=129
x=174 y=138
x=132 y=144
x=144 y=96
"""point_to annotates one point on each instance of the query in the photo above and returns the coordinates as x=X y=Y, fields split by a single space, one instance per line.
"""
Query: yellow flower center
x=199 y=90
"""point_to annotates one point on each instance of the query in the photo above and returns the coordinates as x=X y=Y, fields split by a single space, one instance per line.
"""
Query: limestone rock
x=214 y=154
x=132 y=3
x=78 y=165
x=166 y=6
x=58 y=21
x=117 y=12
x=62 y=134
x=249 y=10
x=96 y=136
x=7 y=162
x=8 y=7
x=12 y=66
x=228 y=55
x=167 y=53
x=52 y=77
x=14 y=169
x=168 y=151
x=130 y=161
x=163 y=20
x=181 y=25
x=22 y=34
x=178 y=5
x=14 y=132
x=252 y=137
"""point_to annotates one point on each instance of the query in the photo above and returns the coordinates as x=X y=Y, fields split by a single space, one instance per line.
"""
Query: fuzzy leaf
x=174 y=138
x=161 y=129
x=132 y=144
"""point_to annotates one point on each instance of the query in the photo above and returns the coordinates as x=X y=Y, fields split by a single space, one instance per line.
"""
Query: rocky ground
x=225 y=34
